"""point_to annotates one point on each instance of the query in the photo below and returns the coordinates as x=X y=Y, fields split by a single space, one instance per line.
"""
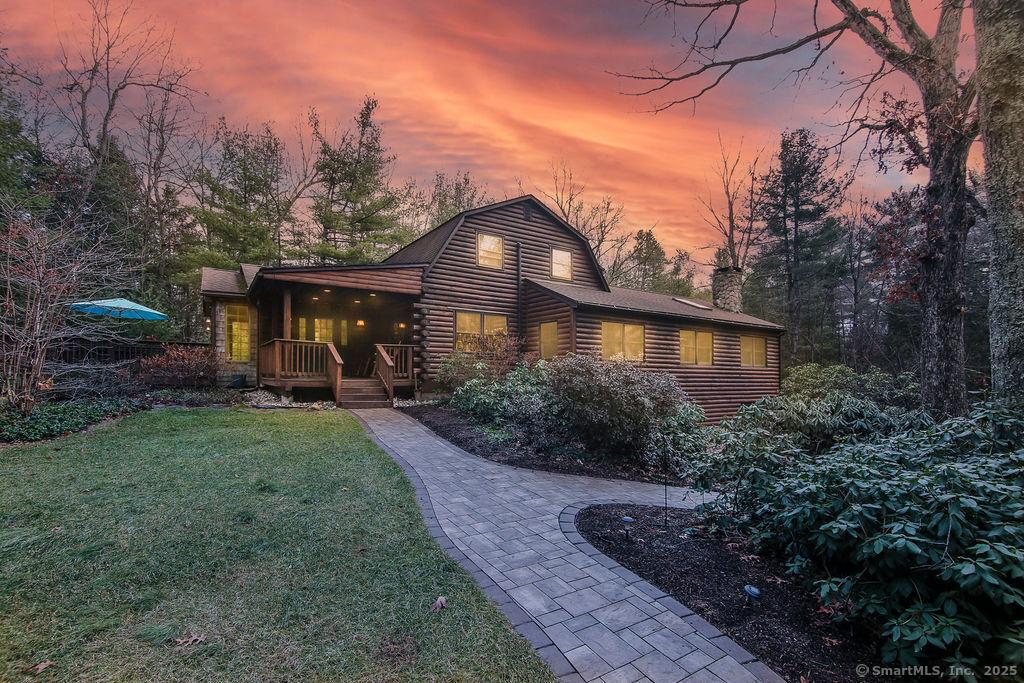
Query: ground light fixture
x=626 y=523
x=753 y=594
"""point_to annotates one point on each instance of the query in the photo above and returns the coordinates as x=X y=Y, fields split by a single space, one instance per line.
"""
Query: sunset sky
x=502 y=89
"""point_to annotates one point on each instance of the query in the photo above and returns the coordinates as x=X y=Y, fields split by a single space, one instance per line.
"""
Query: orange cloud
x=501 y=89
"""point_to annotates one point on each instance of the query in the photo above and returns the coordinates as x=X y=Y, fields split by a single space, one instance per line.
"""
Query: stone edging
x=567 y=523
x=520 y=620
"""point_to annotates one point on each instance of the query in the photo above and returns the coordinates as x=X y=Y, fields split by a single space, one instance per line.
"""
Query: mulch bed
x=787 y=629
x=462 y=431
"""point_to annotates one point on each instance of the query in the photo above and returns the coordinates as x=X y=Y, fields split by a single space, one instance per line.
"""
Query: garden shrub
x=460 y=367
x=919 y=530
x=614 y=407
x=181 y=366
x=54 y=419
x=817 y=424
x=520 y=400
x=813 y=381
x=493 y=356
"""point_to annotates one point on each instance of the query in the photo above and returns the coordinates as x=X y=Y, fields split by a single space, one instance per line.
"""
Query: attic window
x=688 y=302
x=527 y=212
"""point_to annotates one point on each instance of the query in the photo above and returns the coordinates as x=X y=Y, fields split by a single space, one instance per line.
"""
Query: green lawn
x=286 y=539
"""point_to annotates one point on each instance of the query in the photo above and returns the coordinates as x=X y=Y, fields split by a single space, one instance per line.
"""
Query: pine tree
x=802 y=254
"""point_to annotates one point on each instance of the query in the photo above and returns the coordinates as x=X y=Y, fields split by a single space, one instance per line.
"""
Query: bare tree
x=733 y=213
x=935 y=130
x=121 y=58
x=1000 y=42
x=602 y=222
x=44 y=268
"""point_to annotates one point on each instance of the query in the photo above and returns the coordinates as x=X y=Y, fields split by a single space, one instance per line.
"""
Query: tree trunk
x=1000 y=42
x=941 y=266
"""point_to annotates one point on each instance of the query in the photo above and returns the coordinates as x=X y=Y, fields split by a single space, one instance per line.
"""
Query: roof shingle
x=221 y=281
x=636 y=301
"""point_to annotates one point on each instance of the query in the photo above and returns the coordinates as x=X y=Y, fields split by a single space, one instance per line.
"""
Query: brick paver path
x=513 y=530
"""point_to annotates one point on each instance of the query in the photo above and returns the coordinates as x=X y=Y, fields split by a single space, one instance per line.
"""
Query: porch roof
x=398 y=278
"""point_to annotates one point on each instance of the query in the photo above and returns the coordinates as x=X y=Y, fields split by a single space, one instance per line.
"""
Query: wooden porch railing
x=401 y=354
x=293 y=359
x=394 y=365
x=385 y=368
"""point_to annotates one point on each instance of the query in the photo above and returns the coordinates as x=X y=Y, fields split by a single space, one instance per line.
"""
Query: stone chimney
x=726 y=289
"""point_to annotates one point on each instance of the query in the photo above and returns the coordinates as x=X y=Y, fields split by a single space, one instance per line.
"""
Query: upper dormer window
x=561 y=264
x=489 y=250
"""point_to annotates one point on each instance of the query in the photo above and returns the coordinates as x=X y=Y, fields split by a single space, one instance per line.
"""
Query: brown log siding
x=399 y=280
x=541 y=308
x=456 y=282
x=720 y=388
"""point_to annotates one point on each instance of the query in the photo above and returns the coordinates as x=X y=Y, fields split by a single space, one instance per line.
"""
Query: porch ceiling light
x=316 y=298
x=357 y=301
x=372 y=294
x=328 y=291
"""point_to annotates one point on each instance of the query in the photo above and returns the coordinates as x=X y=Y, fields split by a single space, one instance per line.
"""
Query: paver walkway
x=513 y=529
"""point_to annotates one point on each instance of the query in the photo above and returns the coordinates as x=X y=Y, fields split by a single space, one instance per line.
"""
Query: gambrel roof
x=427 y=248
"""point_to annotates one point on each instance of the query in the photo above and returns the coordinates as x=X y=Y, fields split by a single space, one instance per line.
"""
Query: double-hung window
x=548 y=339
x=622 y=339
x=489 y=251
x=753 y=352
x=696 y=348
x=237 y=333
x=470 y=326
x=561 y=264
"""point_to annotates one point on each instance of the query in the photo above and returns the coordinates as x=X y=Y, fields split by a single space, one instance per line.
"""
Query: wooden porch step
x=374 y=403
x=370 y=391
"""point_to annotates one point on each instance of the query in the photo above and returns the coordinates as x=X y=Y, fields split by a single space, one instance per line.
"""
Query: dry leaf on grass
x=41 y=666
x=188 y=641
x=439 y=604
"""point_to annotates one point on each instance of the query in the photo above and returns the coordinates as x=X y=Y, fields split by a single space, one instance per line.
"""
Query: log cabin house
x=515 y=267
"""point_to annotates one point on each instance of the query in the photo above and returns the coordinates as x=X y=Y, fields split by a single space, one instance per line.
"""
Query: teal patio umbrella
x=118 y=308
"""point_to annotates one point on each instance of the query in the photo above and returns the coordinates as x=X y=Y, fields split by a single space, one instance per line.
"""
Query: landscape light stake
x=626 y=523
x=665 y=480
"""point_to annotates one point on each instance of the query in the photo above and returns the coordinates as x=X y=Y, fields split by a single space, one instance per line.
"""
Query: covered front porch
x=351 y=331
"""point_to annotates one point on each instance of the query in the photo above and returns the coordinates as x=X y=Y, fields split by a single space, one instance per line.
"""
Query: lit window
x=621 y=339
x=470 y=326
x=561 y=264
x=548 y=335
x=489 y=249
x=696 y=348
x=323 y=330
x=342 y=339
x=237 y=329
x=753 y=352
x=495 y=324
x=302 y=328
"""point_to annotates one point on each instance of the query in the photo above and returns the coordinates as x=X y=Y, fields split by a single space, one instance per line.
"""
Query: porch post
x=286 y=313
